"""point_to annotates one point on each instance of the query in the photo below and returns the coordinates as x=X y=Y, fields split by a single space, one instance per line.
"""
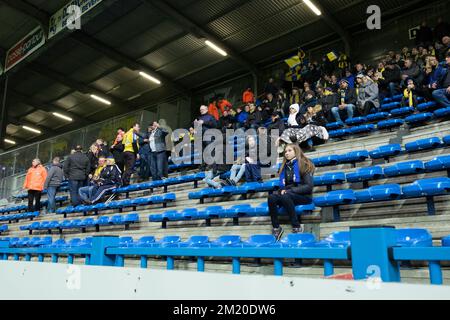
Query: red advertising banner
x=30 y=43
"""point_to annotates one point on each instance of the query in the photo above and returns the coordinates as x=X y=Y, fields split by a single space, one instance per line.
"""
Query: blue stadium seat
x=227 y=241
x=330 y=160
x=389 y=150
x=339 y=133
x=355 y=121
x=377 y=116
x=390 y=106
x=438 y=164
x=168 y=241
x=389 y=124
x=205 y=193
x=362 y=129
x=125 y=241
x=414 y=238
x=102 y=221
x=397 y=97
x=446 y=241
x=86 y=223
x=260 y=240
x=73 y=243
x=379 y=193
x=335 y=125
x=76 y=224
x=330 y=178
x=423 y=144
x=195 y=242
x=354 y=156
x=131 y=218
x=339 y=239
x=239 y=210
x=60 y=243
x=365 y=174
x=334 y=198
x=442 y=113
x=402 y=111
x=405 y=168
x=116 y=220
x=446 y=140
x=427 y=187
x=146 y=241
x=44 y=225
x=297 y=240
x=419 y=118
x=84 y=243
x=426 y=106
x=66 y=224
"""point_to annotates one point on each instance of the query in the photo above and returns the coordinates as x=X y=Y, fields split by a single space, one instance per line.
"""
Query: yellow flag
x=332 y=56
x=292 y=62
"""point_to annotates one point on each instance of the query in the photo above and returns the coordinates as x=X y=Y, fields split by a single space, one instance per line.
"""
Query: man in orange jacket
x=248 y=96
x=213 y=110
x=34 y=183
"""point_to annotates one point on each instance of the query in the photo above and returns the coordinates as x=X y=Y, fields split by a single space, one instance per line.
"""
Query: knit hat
x=344 y=80
x=360 y=75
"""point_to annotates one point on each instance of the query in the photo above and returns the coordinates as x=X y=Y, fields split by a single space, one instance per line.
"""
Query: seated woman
x=296 y=188
x=300 y=130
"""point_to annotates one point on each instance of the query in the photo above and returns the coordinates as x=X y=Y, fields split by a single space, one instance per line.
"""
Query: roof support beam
x=37 y=105
x=19 y=122
x=39 y=16
x=80 y=87
x=123 y=59
x=199 y=32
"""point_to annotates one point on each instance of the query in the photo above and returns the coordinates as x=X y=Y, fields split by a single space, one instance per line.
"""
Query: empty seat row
x=218 y=212
x=162 y=183
x=19 y=216
x=247 y=188
x=22 y=207
x=421 y=188
x=386 y=151
x=125 y=220
x=361 y=125
x=119 y=204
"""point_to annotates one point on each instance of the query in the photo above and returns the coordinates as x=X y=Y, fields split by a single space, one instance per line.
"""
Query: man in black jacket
x=76 y=170
x=346 y=100
x=327 y=99
x=392 y=77
x=110 y=178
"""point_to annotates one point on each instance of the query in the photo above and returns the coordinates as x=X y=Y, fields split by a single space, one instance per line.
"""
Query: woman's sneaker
x=277 y=233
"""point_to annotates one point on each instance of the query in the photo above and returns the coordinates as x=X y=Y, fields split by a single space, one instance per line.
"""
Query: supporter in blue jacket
x=296 y=188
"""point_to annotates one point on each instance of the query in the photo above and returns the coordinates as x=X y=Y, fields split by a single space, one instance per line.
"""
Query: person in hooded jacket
x=53 y=181
x=368 y=95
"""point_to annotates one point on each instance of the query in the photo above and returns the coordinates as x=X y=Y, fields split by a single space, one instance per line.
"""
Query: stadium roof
x=122 y=43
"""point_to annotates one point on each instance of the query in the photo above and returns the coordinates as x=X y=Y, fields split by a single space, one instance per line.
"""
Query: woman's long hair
x=306 y=166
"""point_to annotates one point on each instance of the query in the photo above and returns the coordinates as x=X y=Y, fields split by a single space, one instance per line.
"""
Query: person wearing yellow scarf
x=409 y=94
